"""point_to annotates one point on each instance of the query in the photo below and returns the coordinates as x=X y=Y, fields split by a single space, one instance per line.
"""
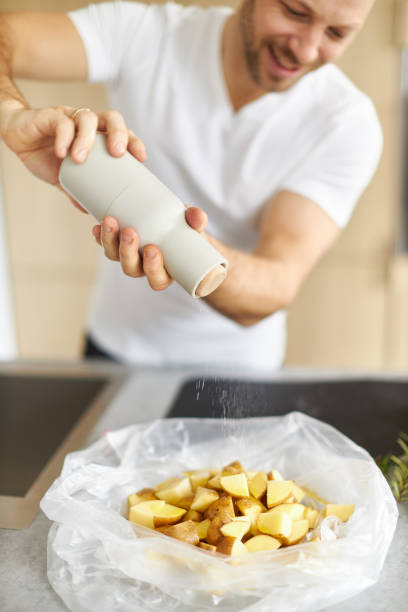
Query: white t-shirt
x=321 y=139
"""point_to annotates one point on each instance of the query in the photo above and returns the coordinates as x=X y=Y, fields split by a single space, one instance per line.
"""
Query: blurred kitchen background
x=351 y=313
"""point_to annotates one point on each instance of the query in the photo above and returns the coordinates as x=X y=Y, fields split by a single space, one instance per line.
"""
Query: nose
x=305 y=44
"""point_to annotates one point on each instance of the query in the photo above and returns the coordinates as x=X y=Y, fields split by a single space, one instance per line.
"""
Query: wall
x=350 y=312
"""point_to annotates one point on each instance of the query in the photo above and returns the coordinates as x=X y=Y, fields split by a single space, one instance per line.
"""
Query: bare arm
x=46 y=46
x=294 y=233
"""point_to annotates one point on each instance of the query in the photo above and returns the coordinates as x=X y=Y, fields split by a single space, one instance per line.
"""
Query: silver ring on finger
x=79 y=110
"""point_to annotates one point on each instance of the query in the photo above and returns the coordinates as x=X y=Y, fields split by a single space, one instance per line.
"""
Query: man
x=242 y=114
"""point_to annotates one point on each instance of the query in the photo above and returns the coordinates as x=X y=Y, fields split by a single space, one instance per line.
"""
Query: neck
x=241 y=88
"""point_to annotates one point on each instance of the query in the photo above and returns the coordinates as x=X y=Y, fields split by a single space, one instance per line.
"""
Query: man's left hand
x=124 y=246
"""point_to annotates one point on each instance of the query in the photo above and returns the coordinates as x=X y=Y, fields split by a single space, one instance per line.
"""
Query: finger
x=196 y=218
x=86 y=123
x=136 y=147
x=154 y=269
x=110 y=238
x=129 y=253
x=96 y=232
x=64 y=135
x=117 y=137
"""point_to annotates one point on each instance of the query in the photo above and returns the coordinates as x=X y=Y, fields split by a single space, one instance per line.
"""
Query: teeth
x=281 y=63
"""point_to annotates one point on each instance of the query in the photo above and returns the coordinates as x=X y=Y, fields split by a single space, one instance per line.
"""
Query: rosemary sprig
x=395 y=469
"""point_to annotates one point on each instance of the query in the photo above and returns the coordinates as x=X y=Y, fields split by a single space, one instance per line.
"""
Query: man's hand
x=42 y=138
x=136 y=262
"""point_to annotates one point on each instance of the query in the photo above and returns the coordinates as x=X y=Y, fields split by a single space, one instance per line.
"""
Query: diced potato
x=193 y=515
x=165 y=484
x=298 y=493
x=342 y=511
x=298 y=532
x=198 y=478
x=261 y=543
x=177 y=489
x=231 y=546
x=295 y=511
x=277 y=524
x=278 y=491
x=185 y=531
x=311 y=515
x=249 y=505
x=203 y=499
x=144 y=513
x=215 y=482
x=202 y=528
x=185 y=502
x=208 y=547
x=145 y=494
x=257 y=484
x=231 y=511
x=214 y=533
x=236 y=528
x=235 y=467
x=222 y=505
x=275 y=475
x=236 y=485
x=168 y=515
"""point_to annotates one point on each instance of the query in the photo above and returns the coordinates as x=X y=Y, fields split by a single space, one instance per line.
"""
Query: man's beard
x=252 y=51
x=248 y=39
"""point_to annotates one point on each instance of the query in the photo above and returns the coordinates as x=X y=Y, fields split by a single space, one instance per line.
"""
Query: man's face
x=285 y=39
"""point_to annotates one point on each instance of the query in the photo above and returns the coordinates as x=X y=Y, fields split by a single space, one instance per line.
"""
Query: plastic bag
x=99 y=561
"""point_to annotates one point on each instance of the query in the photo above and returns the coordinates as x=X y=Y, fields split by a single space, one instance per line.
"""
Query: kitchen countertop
x=146 y=395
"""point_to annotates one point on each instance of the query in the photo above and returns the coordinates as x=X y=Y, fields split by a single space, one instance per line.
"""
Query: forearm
x=10 y=96
x=255 y=287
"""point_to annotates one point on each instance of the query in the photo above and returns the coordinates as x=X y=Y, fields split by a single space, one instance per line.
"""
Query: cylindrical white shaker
x=124 y=188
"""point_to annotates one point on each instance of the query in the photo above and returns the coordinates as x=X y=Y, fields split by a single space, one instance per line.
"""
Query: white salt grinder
x=124 y=188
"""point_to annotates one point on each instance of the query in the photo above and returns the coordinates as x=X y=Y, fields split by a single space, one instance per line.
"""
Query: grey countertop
x=144 y=396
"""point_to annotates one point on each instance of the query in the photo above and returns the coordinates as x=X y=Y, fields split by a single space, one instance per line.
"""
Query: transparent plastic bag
x=99 y=561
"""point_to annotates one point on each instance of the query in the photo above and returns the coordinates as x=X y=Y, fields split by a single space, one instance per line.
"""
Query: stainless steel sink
x=370 y=412
x=45 y=412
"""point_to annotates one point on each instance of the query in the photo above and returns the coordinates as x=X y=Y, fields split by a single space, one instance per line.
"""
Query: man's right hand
x=42 y=138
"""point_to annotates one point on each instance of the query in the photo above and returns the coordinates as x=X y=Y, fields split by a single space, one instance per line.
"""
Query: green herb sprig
x=395 y=469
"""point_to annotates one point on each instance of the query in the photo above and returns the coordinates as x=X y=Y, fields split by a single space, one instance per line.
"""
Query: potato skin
x=219 y=506
x=185 y=531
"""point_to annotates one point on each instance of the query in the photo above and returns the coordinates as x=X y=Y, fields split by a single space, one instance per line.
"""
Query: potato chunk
x=231 y=546
x=295 y=511
x=236 y=485
x=198 y=478
x=145 y=494
x=311 y=515
x=342 y=511
x=277 y=524
x=298 y=532
x=208 y=547
x=185 y=531
x=236 y=528
x=173 y=490
x=257 y=485
x=222 y=505
x=261 y=543
x=202 y=528
x=203 y=499
x=278 y=491
x=155 y=513
x=144 y=512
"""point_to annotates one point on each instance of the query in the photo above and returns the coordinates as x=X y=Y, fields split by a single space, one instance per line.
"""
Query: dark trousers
x=92 y=350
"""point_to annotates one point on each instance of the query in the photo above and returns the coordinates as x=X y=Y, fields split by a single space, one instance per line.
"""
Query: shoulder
x=337 y=97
